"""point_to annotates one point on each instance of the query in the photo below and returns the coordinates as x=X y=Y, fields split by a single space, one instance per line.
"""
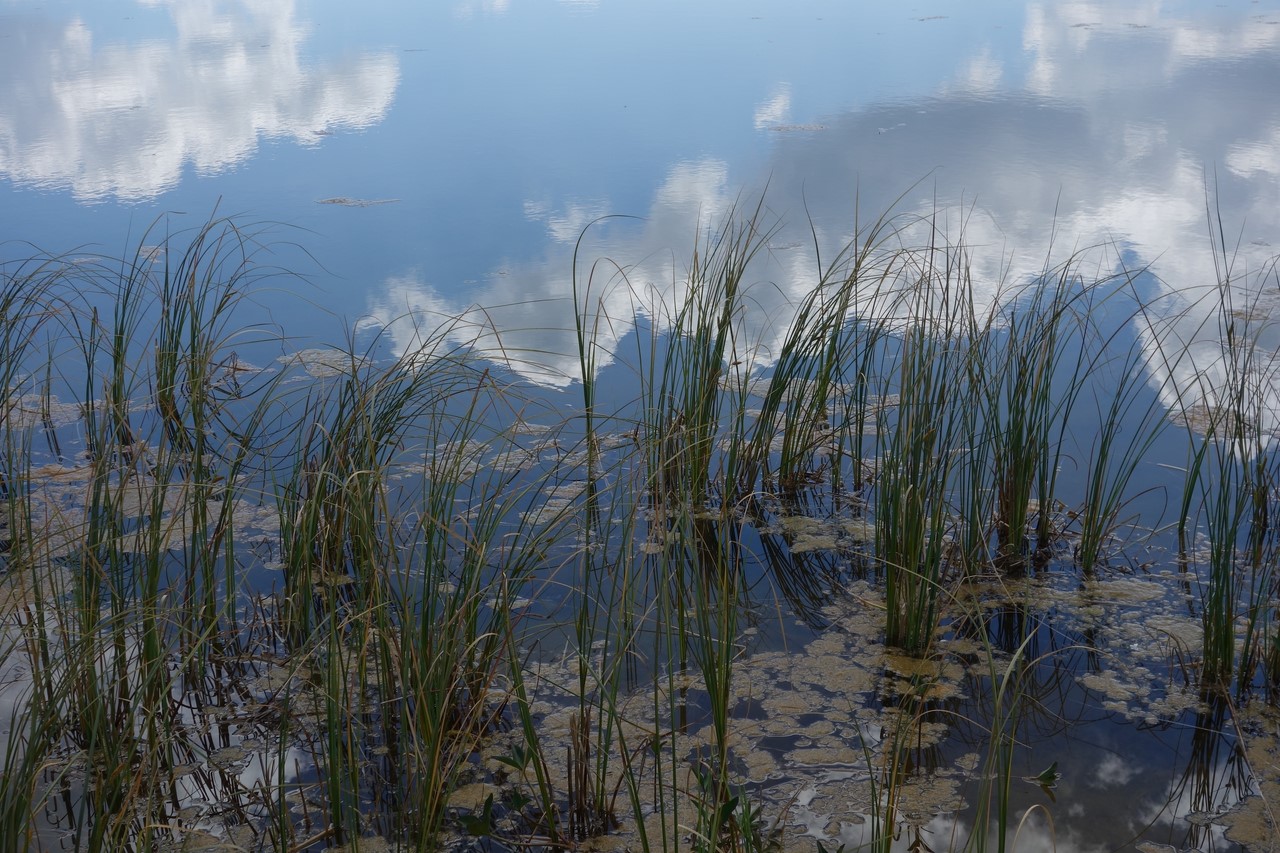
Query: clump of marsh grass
x=111 y=632
x=431 y=563
x=1130 y=420
x=402 y=577
x=1222 y=380
x=924 y=439
x=1029 y=404
x=25 y=307
x=1007 y=700
x=819 y=393
x=1232 y=477
x=685 y=410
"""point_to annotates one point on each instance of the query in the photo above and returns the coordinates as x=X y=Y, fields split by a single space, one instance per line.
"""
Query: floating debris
x=324 y=363
x=344 y=201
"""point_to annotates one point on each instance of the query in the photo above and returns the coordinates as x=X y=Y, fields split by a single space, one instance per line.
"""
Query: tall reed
x=1029 y=404
x=415 y=529
x=1130 y=420
x=924 y=436
x=1227 y=412
x=26 y=305
x=110 y=636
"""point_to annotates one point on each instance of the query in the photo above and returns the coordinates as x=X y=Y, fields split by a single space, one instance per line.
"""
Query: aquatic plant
x=1030 y=404
x=112 y=633
x=389 y=585
x=915 y=472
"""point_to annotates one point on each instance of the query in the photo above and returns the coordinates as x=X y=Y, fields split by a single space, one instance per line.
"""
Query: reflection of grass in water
x=1232 y=472
x=899 y=444
x=127 y=603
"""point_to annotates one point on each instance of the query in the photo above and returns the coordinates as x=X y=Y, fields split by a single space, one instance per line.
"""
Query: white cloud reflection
x=470 y=8
x=1258 y=158
x=1113 y=771
x=775 y=109
x=1068 y=159
x=983 y=74
x=124 y=119
x=524 y=317
x=567 y=225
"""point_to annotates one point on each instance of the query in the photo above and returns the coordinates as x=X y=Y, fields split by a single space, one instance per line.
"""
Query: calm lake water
x=490 y=134
x=429 y=161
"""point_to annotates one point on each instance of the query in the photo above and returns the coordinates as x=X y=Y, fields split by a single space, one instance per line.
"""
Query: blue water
x=474 y=141
x=500 y=129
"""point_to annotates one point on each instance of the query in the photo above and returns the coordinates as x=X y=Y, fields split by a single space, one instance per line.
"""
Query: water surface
x=497 y=131
x=433 y=162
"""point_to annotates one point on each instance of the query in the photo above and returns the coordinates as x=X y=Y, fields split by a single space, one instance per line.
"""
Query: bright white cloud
x=124 y=119
x=1259 y=158
x=982 y=74
x=775 y=109
x=1067 y=40
x=1124 y=173
x=1113 y=771
x=567 y=225
x=524 y=318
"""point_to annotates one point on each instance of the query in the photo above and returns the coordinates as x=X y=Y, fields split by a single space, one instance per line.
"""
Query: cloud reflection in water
x=1107 y=141
x=123 y=119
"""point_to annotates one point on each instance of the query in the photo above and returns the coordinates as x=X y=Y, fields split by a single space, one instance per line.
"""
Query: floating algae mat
x=921 y=573
x=347 y=602
x=867 y=440
x=839 y=734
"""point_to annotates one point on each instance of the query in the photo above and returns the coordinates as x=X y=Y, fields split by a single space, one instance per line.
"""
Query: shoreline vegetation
x=813 y=598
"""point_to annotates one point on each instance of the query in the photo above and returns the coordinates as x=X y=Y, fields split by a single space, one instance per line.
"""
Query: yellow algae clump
x=1252 y=823
x=859 y=529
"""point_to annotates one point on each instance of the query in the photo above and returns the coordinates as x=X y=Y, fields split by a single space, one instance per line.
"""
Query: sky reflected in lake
x=493 y=132
x=481 y=173
x=109 y=119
